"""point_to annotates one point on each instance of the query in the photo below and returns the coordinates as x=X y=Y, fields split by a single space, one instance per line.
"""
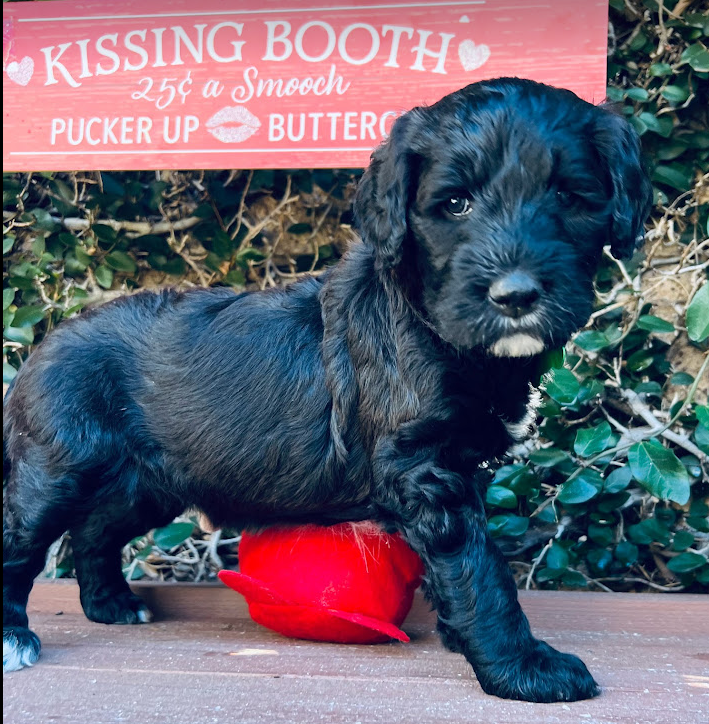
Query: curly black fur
x=375 y=391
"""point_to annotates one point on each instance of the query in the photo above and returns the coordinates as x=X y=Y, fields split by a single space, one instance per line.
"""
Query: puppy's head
x=494 y=205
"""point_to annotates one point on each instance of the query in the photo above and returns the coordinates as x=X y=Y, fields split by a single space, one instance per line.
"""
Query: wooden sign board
x=151 y=84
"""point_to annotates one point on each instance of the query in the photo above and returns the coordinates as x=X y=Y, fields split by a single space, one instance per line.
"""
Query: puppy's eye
x=458 y=206
x=566 y=198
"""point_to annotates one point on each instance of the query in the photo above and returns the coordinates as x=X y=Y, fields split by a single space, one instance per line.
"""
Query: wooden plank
x=152 y=84
x=204 y=660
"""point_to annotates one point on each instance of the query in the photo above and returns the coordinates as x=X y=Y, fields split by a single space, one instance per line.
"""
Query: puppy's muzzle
x=515 y=294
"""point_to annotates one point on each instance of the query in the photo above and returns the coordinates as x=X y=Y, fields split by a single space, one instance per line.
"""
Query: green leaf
x=550 y=574
x=574 y=579
x=590 y=388
x=25 y=270
x=249 y=254
x=104 y=232
x=501 y=497
x=135 y=574
x=68 y=240
x=682 y=540
x=612 y=93
x=120 y=261
x=637 y=94
x=701 y=437
x=638 y=125
x=618 y=480
x=28 y=316
x=8 y=241
x=8 y=373
x=626 y=552
x=175 y=267
x=640 y=360
x=526 y=483
x=599 y=558
x=659 y=471
x=576 y=491
x=698 y=315
x=547 y=457
x=8 y=297
x=685 y=562
x=700 y=523
x=508 y=473
x=111 y=185
x=649 y=388
x=659 y=70
x=38 y=246
x=44 y=220
x=697 y=56
x=235 y=278
x=600 y=534
x=22 y=335
x=677 y=177
x=654 y=324
x=300 y=228
x=591 y=340
x=671 y=150
x=557 y=557
x=592 y=440
x=662 y=126
x=649 y=531
x=681 y=378
x=512 y=525
x=702 y=413
x=675 y=93
x=62 y=189
x=172 y=535
x=562 y=386
x=104 y=276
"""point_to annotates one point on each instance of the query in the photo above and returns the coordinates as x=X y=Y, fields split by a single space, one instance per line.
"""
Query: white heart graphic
x=472 y=56
x=21 y=73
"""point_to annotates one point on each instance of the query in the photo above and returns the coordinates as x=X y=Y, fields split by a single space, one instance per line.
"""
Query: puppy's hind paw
x=543 y=675
x=20 y=648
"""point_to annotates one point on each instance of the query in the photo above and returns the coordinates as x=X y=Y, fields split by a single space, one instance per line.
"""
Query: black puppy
x=375 y=391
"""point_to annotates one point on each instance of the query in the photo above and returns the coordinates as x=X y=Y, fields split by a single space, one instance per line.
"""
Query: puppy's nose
x=515 y=294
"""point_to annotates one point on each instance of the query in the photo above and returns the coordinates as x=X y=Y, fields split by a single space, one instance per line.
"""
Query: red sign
x=143 y=84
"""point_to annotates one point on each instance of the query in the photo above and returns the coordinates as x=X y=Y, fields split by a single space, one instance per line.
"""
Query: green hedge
x=612 y=491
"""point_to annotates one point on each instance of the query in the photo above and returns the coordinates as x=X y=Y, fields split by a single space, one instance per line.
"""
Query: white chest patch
x=519 y=430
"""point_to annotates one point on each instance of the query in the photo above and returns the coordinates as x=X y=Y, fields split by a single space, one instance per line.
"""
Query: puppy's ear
x=383 y=194
x=619 y=146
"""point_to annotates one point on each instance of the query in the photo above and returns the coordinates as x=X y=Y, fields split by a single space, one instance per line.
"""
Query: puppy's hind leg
x=97 y=544
x=37 y=511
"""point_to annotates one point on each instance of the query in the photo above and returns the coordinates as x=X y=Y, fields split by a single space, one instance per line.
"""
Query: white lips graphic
x=233 y=124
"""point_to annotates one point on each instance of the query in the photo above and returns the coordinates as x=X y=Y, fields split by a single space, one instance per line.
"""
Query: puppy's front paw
x=543 y=674
x=122 y=607
x=20 y=648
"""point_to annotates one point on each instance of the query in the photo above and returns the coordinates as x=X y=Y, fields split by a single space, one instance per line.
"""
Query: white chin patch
x=517 y=345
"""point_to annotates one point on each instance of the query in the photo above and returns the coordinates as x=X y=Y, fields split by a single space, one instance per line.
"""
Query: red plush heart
x=348 y=583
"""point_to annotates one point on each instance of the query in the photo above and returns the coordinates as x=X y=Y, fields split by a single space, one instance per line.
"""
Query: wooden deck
x=204 y=660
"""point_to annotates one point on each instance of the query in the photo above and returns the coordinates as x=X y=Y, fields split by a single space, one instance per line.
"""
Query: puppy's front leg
x=474 y=593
